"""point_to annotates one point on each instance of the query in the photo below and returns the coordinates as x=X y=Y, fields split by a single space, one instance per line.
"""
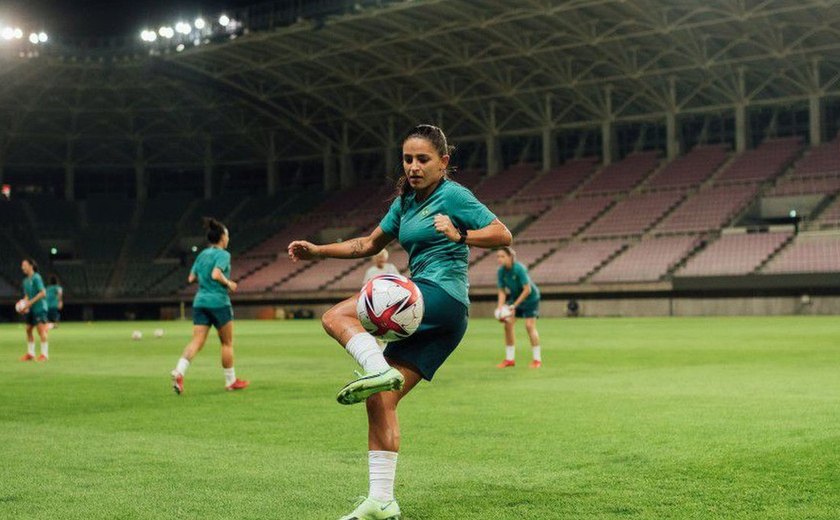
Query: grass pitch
x=629 y=418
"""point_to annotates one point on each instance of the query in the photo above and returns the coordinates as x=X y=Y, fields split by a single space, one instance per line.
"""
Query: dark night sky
x=100 y=18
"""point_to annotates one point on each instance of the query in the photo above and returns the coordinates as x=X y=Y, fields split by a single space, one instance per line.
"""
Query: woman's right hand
x=303 y=250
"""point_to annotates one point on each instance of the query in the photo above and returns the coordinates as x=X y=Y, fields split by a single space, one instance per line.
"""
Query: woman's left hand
x=444 y=225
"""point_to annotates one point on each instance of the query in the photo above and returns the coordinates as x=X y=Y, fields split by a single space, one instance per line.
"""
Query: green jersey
x=513 y=282
x=432 y=256
x=211 y=294
x=54 y=293
x=32 y=285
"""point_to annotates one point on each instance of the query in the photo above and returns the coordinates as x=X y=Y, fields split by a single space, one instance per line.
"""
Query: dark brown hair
x=508 y=250
x=54 y=279
x=434 y=135
x=215 y=230
x=32 y=262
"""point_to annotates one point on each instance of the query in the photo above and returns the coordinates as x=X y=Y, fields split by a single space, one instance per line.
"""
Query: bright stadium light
x=42 y=37
x=183 y=28
x=166 y=32
x=33 y=38
x=199 y=23
x=18 y=33
x=224 y=20
x=180 y=47
x=7 y=33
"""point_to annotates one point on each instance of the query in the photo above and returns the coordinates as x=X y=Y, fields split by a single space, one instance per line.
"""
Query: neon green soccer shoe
x=369 y=384
x=370 y=509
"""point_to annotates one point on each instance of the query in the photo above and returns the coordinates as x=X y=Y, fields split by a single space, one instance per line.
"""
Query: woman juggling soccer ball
x=435 y=220
x=211 y=306
x=519 y=297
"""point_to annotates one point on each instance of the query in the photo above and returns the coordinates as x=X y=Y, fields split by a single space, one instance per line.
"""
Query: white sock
x=536 y=351
x=30 y=348
x=182 y=366
x=366 y=352
x=510 y=352
x=383 y=469
x=45 y=349
x=230 y=376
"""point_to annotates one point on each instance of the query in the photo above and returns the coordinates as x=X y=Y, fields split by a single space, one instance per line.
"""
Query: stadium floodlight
x=33 y=38
x=180 y=47
x=18 y=33
x=199 y=23
x=224 y=20
x=792 y=213
x=53 y=251
x=148 y=36
x=183 y=28
x=166 y=31
x=42 y=37
x=7 y=33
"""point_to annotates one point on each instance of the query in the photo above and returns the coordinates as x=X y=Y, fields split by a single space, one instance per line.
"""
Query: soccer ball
x=502 y=313
x=390 y=307
x=158 y=333
x=20 y=305
x=136 y=335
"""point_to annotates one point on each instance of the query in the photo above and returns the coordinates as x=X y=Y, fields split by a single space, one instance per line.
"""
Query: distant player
x=380 y=266
x=35 y=310
x=516 y=290
x=55 y=301
x=211 y=306
x=435 y=220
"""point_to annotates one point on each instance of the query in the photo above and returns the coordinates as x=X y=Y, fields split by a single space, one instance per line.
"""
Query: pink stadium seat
x=506 y=183
x=806 y=186
x=708 y=209
x=565 y=219
x=808 y=253
x=484 y=272
x=820 y=160
x=574 y=262
x=734 y=254
x=634 y=215
x=830 y=216
x=623 y=175
x=762 y=163
x=319 y=275
x=692 y=168
x=561 y=180
x=649 y=260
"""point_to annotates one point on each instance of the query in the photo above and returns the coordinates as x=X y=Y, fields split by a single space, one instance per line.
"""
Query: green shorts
x=527 y=309
x=33 y=318
x=53 y=315
x=216 y=316
x=444 y=325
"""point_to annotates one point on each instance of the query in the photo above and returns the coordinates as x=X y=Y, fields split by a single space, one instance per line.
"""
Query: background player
x=35 y=310
x=521 y=294
x=55 y=301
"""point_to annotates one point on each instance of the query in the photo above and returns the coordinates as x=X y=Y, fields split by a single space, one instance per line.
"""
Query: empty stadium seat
x=575 y=261
x=734 y=254
x=623 y=175
x=649 y=260
x=808 y=253
x=692 y=168
x=634 y=215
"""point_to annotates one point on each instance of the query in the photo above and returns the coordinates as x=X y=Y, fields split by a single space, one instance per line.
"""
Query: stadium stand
x=821 y=160
x=574 y=262
x=708 y=210
x=634 y=215
x=506 y=183
x=830 y=216
x=691 y=169
x=352 y=279
x=483 y=273
x=623 y=175
x=566 y=219
x=735 y=254
x=561 y=180
x=649 y=260
x=805 y=186
x=765 y=162
x=808 y=253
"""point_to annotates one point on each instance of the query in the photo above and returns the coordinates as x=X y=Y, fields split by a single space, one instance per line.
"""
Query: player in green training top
x=435 y=219
x=55 y=301
x=522 y=296
x=35 y=310
x=211 y=306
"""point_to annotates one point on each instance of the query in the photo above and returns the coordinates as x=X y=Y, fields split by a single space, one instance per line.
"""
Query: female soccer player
x=55 y=301
x=211 y=306
x=35 y=309
x=435 y=219
x=521 y=294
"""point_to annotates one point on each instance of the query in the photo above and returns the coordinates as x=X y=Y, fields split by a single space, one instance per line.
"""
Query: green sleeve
x=390 y=223
x=500 y=278
x=222 y=261
x=523 y=274
x=469 y=212
x=39 y=284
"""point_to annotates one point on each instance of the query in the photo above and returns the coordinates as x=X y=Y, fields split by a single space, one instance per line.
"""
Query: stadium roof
x=356 y=81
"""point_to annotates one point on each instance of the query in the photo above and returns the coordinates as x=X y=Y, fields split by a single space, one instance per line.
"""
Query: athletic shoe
x=370 y=509
x=535 y=364
x=42 y=358
x=177 y=382
x=237 y=385
x=506 y=363
x=366 y=385
x=27 y=357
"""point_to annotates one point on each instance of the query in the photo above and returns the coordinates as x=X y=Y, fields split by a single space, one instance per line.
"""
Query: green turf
x=629 y=418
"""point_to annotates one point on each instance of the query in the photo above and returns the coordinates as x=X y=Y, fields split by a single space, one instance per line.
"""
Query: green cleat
x=370 y=509
x=367 y=385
